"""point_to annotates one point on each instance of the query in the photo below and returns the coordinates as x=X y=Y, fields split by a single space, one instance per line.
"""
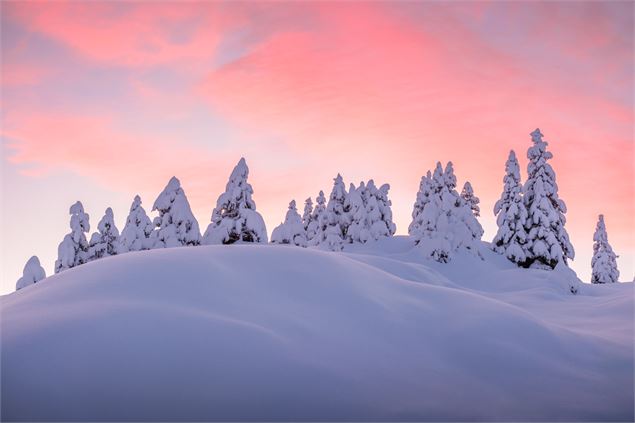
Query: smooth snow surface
x=269 y=332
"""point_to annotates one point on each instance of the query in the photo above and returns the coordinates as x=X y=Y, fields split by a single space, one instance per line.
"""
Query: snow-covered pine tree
x=446 y=222
x=32 y=273
x=511 y=215
x=135 y=235
x=105 y=242
x=603 y=263
x=317 y=225
x=235 y=218
x=72 y=250
x=467 y=194
x=358 y=228
x=370 y=213
x=379 y=211
x=176 y=224
x=424 y=196
x=307 y=214
x=547 y=239
x=292 y=230
x=337 y=218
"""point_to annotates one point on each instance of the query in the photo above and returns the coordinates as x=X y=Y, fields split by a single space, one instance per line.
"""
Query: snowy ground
x=279 y=333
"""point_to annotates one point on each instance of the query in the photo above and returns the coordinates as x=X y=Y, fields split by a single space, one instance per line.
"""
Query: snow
x=376 y=332
x=176 y=224
x=135 y=235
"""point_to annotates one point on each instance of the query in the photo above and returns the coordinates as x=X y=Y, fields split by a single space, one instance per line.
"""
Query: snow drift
x=268 y=332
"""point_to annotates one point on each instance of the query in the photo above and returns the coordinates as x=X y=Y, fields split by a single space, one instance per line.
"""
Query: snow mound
x=274 y=332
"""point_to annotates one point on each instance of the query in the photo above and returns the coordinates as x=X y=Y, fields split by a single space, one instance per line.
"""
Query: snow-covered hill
x=249 y=332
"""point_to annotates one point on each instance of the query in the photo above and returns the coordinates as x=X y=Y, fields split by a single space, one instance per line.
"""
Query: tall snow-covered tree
x=176 y=224
x=292 y=230
x=370 y=213
x=317 y=224
x=467 y=194
x=445 y=223
x=307 y=214
x=135 y=235
x=337 y=219
x=33 y=272
x=511 y=215
x=105 y=242
x=235 y=218
x=604 y=261
x=547 y=239
x=73 y=249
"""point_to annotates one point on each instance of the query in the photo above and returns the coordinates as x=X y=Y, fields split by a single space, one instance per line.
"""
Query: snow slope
x=269 y=332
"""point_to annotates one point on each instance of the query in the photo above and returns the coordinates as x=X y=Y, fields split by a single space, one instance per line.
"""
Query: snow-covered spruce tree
x=547 y=239
x=135 y=235
x=176 y=224
x=32 y=273
x=337 y=218
x=73 y=249
x=235 y=218
x=292 y=230
x=603 y=263
x=317 y=224
x=511 y=215
x=105 y=242
x=378 y=208
x=369 y=213
x=424 y=196
x=467 y=194
x=307 y=214
x=446 y=222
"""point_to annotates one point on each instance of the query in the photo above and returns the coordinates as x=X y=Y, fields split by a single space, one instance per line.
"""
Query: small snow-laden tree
x=337 y=217
x=424 y=196
x=235 y=218
x=446 y=223
x=307 y=214
x=317 y=225
x=604 y=261
x=135 y=235
x=547 y=239
x=176 y=225
x=73 y=249
x=105 y=242
x=511 y=215
x=358 y=228
x=292 y=230
x=467 y=194
x=378 y=209
x=370 y=213
x=33 y=272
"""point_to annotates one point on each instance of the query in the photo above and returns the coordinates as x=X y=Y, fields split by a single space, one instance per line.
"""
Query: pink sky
x=101 y=101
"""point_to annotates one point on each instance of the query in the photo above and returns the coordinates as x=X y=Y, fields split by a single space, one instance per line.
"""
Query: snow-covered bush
x=32 y=273
x=235 y=218
x=369 y=213
x=292 y=230
x=176 y=224
x=445 y=223
x=547 y=239
x=105 y=242
x=467 y=194
x=603 y=263
x=135 y=235
x=73 y=249
x=317 y=223
x=511 y=215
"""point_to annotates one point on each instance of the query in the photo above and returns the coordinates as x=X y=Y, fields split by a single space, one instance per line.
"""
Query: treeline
x=530 y=218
